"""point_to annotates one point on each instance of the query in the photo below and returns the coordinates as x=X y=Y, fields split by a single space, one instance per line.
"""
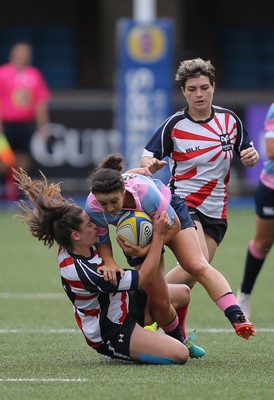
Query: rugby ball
x=135 y=227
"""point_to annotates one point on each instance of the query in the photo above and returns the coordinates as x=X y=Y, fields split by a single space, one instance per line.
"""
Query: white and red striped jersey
x=200 y=155
x=99 y=307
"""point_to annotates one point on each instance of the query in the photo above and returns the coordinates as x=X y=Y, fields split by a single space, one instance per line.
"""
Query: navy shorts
x=264 y=201
x=19 y=135
x=214 y=227
x=118 y=345
x=180 y=207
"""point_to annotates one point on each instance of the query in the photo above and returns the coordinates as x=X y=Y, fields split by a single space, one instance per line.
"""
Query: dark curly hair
x=107 y=177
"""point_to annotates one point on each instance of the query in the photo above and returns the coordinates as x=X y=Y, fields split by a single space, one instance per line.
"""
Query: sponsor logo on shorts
x=268 y=211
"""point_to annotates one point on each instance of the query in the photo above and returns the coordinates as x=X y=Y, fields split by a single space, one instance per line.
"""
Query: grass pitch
x=44 y=355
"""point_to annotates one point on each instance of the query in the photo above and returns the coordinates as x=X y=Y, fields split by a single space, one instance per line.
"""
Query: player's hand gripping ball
x=135 y=227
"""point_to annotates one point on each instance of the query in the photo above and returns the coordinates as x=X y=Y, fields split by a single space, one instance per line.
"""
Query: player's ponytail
x=52 y=218
x=113 y=161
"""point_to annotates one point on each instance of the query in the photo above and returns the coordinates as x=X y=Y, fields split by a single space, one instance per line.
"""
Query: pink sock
x=226 y=301
x=171 y=326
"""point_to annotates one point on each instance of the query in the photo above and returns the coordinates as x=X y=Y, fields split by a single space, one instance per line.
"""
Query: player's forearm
x=150 y=266
x=106 y=253
x=152 y=163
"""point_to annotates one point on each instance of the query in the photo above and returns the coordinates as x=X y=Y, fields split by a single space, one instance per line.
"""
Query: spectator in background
x=24 y=97
x=263 y=238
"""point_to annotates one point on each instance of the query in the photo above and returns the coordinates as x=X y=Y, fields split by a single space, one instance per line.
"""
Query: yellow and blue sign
x=146 y=43
x=144 y=82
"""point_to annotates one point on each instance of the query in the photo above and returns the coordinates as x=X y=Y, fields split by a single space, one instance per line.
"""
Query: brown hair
x=52 y=218
x=107 y=177
x=194 y=68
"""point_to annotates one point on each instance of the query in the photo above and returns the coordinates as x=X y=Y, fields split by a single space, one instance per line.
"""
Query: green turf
x=41 y=345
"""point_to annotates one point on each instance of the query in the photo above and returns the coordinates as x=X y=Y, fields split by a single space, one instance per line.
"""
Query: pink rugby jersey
x=267 y=174
x=200 y=155
x=150 y=195
x=99 y=307
x=20 y=92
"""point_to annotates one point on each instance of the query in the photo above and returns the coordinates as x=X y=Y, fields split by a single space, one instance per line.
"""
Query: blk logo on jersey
x=225 y=141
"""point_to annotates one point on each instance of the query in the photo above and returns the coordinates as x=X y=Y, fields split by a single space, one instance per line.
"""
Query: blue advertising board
x=144 y=84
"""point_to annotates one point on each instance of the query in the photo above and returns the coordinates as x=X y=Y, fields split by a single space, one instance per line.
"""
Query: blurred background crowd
x=79 y=50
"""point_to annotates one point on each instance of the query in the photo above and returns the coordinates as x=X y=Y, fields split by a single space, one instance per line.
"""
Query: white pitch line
x=32 y=296
x=45 y=330
x=217 y=330
x=43 y=380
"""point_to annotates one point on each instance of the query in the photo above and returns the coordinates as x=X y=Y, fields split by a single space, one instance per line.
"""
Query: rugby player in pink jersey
x=111 y=193
x=260 y=245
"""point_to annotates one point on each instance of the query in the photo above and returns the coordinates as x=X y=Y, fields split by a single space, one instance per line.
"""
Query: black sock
x=233 y=313
x=253 y=266
x=176 y=332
